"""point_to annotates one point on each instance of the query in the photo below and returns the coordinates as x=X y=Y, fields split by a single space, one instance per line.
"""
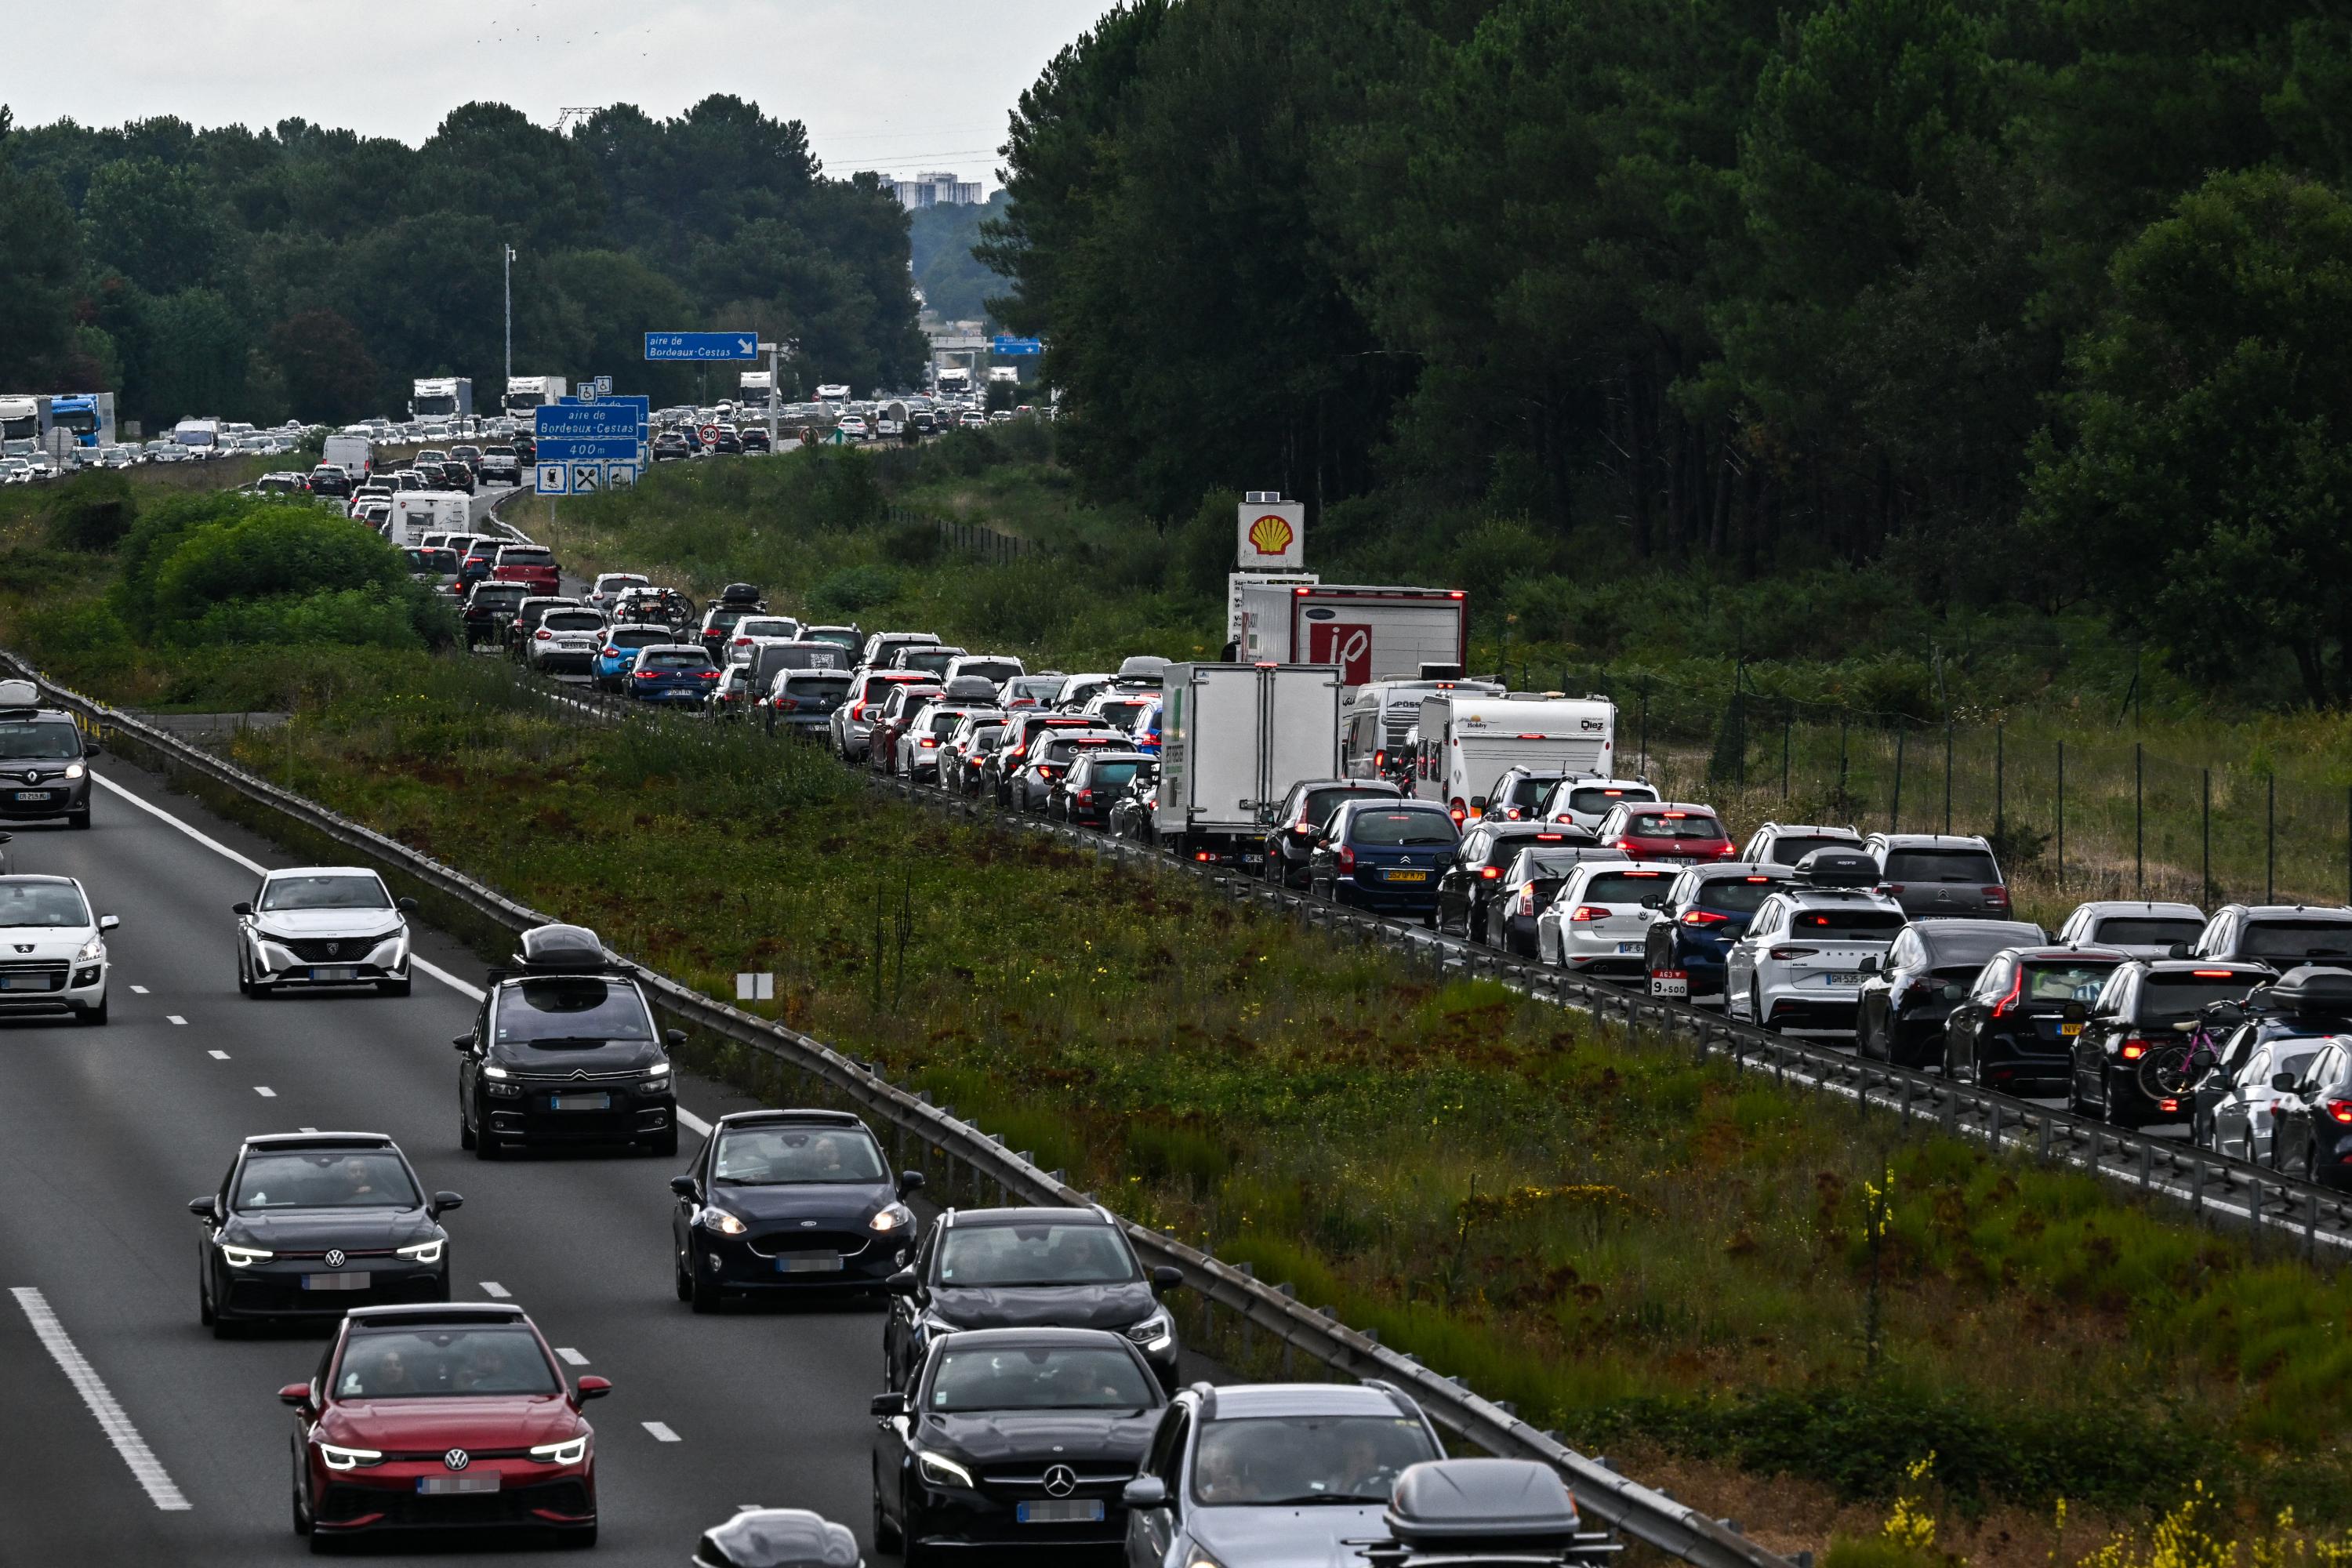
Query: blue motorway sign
x=597 y=450
x=1013 y=348
x=702 y=345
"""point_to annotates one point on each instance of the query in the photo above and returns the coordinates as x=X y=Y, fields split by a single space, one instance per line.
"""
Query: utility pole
x=770 y=349
x=508 y=269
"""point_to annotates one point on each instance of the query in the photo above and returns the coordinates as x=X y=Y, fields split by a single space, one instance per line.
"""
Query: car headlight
x=423 y=1251
x=657 y=1076
x=339 y=1458
x=75 y=770
x=722 y=1222
x=91 y=950
x=569 y=1452
x=1156 y=1332
x=939 y=1471
x=1201 y=1559
x=496 y=1072
x=245 y=1257
x=892 y=1217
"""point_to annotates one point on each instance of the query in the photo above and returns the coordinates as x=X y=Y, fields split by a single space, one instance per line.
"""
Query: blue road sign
x=588 y=421
x=1012 y=348
x=599 y=450
x=702 y=345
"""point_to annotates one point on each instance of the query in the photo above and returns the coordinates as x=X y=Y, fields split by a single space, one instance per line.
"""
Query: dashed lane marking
x=662 y=1434
x=139 y=990
x=176 y=1018
x=572 y=1357
x=264 y=1090
x=495 y=1291
x=217 y=1056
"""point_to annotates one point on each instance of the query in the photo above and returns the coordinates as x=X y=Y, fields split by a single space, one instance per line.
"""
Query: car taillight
x=1347 y=858
x=612 y=653
x=1704 y=918
x=857 y=709
x=648 y=675
x=1086 y=797
x=742 y=642
x=1894 y=890
x=930 y=739
x=788 y=704
x=705 y=675
x=1380 y=761
x=1457 y=811
x=1589 y=912
x=1997 y=897
x=1526 y=899
x=1785 y=953
x=2131 y=1050
x=542 y=634
x=1511 y=814
x=2006 y=1004
x=1726 y=853
x=2340 y=1111
x=1489 y=873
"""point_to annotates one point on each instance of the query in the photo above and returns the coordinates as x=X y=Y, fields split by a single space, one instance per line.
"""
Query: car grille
x=1026 y=1481
x=514 y=1506
x=776 y=1243
x=562 y=1079
x=328 y=948
x=51 y=970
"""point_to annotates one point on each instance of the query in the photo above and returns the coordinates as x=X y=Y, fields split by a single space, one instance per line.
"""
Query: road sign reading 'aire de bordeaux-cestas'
x=702 y=346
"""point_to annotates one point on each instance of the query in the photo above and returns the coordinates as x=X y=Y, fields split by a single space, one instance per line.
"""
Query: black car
x=1020 y=1438
x=488 y=608
x=1518 y=795
x=726 y=444
x=719 y=626
x=2015 y=1028
x=1299 y=821
x=2133 y=1019
x=1082 y=796
x=310 y=1225
x=564 y=1052
x=329 y=479
x=670 y=447
x=1488 y=848
x=1131 y=814
x=469 y=456
x=789 y=1200
x=2280 y=936
x=526 y=445
x=1927 y=970
x=2311 y=1122
x=1002 y=1268
x=1708 y=908
x=1526 y=888
x=755 y=440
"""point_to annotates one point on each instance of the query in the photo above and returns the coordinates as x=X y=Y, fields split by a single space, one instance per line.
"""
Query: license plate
x=810 y=1263
x=23 y=982
x=443 y=1486
x=337 y=1280
x=580 y=1103
x=330 y=976
x=1628 y=947
x=1844 y=977
x=32 y=795
x=1076 y=1511
x=1408 y=875
x=1676 y=987
x=2070 y=1028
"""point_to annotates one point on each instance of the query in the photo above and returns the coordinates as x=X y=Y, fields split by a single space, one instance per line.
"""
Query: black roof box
x=1490 y=1503
x=560 y=947
x=2310 y=988
x=739 y=593
x=778 y=1538
x=1831 y=866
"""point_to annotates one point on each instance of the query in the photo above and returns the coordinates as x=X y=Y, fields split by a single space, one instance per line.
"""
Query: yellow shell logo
x=1270 y=534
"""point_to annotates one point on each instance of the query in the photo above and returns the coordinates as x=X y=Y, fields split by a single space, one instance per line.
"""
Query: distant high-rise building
x=937 y=188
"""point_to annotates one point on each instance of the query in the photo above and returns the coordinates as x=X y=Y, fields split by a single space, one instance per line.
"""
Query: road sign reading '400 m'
x=702 y=345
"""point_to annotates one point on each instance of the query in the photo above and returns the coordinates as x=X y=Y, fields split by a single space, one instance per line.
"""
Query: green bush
x=851 y=589
x=92 y=511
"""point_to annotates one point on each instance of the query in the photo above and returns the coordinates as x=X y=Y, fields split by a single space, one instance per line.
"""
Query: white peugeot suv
x=52 y=949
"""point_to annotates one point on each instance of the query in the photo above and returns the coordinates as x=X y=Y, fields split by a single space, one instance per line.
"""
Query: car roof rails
x=1829 y=867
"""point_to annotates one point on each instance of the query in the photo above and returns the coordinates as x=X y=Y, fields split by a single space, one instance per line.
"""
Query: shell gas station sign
x=1272 y=536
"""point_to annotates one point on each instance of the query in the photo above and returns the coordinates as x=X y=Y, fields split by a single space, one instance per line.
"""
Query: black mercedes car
x=564 y=1052
x=310 y=1225
x=1016 y=1439
x=785 y=1200
x=1041 y=1268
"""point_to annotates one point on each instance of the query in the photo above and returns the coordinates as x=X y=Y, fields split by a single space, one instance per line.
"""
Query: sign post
x=702 y=347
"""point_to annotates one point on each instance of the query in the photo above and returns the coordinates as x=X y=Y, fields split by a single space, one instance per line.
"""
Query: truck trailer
x=1234 y=738
x=1367 y=632
x=525 y=392
x=446 y=397
x=1467 y=740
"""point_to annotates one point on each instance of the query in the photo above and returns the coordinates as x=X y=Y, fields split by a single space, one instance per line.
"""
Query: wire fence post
x=1844 y=721
x=2139 y=835
x=1894 y=803
x=2270 y=839
x=1788 y=723
x=2001 y=781
x=2061 y=814
x=1948 y=773
x=2205 y=836
x=1645 y=726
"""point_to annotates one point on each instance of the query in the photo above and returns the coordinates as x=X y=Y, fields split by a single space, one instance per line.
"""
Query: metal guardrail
x=1647 y=1516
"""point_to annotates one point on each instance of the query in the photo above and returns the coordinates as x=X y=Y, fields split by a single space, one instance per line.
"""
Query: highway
x=105 y=1133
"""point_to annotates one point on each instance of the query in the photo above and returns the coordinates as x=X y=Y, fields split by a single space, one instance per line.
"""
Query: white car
x=322 y=925
x=15 y=471
x=752 y=630
x=55 y=960
x=1583 y=802
x=852 y=428
x=566 y=640
x=1806 y=954
x=971 y=421
x=1599 y=922
x=609 y=584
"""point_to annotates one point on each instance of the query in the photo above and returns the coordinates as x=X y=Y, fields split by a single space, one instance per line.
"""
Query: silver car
x=2135 y=928
x=1599 y=921
x=322 y=925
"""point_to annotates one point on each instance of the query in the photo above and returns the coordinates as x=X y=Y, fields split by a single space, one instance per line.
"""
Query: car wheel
x=465 y=1132
x=394 y=987
x=1756 y=1013
x=704 y=1295
x=665 y=1147
x=2108 y=1110
x=886 y=1534
x=78 y=818
x=683 y=1279
x=488 y=1145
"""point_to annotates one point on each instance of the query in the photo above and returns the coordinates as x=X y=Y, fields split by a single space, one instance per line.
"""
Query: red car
x=532 y=564
x=1664 y=830
x=429 y=1418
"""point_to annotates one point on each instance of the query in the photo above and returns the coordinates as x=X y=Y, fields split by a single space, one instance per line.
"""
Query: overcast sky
x=895 y=85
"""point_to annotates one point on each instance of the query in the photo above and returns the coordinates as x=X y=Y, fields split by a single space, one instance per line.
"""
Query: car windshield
x=326 y=1179
x=1400 y=827
x=41 y=739
x=2073 y=980
x=445 y=1363
x=2168 y=994
x=759 y=1156
x=994 y=670
x=1320 y=803
x=647 y=637
x=1941 y=866
x=2288 y=1056
x=345 y=891
x=2297 y=939
x=1673 y=824
x=1040 y=1377
x=1734 y=894
x=1015 y=1255
x=669 y=659
x=575 y=1008
x=1789 y=848
x=832 y=688
x=930 y=661
x=1287 y=1460
x=2145 y=930
x=1847 y=925
x=510 y=556
x=42 y=904
x=1624 y=887
x=1594 y=799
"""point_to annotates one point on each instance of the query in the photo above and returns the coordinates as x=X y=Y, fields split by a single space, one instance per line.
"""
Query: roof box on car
x=778 y=1538
x=19 y=694
x=1493 y=1504
x=2310 y=988
x=739 y=593
x=970 y=689
x=560 y=947
x=1831 y=866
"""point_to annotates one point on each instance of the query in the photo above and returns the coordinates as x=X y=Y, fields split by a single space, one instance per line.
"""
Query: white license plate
x=810 y=1263
x=330 y=976
x=1628 y=947
x=32 y=795
x=580 y=1103
x=23 y=982
x=336 y=1281
x=1076 y=1511
x=443 y=1486
x=1845 y=977
x=1675 y=987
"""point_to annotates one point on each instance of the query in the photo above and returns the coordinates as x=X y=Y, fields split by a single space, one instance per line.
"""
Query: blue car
x=1147 y=730
x=1707 y=910
x=1384 y=855
x=673 y=672
x=619 y=658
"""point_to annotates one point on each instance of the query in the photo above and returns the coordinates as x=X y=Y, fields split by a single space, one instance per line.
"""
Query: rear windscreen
x=995 y=671
x=723 y=620
x=1973 y=866
x=1120 y=715
x=2175 y=994
x=1321 y=803
x=674 y=661
x=2297 y=939
x=2146 y=931
x=1732 y=895
x=1553 y=864
x=1527 y=791
x=1788 y=850
x=1401 y=828
x=2068 y=982
x=573 y=621
x=926 y=660
x=1847 y=925
x=1592 y=800
x=1625 y=886
x=1673 y=824
x=832 y=687
x=640 y=639
x=1112 y=775
x=513 y=557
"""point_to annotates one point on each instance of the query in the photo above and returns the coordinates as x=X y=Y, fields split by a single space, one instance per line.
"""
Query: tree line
x=306 y=271
x=2021 y=300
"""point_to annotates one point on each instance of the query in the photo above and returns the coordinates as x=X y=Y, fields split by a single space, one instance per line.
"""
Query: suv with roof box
x=44 y=759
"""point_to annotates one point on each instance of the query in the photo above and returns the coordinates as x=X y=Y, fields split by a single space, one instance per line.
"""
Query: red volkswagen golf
x=1664 y=830
x=437 y=1416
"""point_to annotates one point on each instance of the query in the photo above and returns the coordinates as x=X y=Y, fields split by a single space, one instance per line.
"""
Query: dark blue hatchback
x=673 y=672
x=1381 y=853
x=1708 y=909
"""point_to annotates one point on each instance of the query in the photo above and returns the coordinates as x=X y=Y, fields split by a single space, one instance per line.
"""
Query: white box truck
x=1367 y=632
x=1234 y=738
x=415 y=514
x=1467 y=740
x=754 y=390
x=446 y=399
x=525 y=392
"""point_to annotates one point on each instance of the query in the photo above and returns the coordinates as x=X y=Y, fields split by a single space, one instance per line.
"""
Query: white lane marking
x=139 y=990
x=693 y=1123
x=309 y=1130
x=145 y=1468
x=264 y=1090
x=572 y=1357
x=215 y=845
x=217 y=1056
x=462 y=987
x=662 y=1434
x=494 y=1291
x=176 y=1018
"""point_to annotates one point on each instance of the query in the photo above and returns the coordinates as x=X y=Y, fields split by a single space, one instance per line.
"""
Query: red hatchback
x=1664 y=830
x=532 y=564
x=441 y=1417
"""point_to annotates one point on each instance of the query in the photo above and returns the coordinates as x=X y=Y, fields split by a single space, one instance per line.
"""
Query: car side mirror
x=1145 y=1491
x=2284 y=1082
x=91 y=746
x=462 y=1042
x=406 y=906
x=110 y=923
x=903 y=1283
x=297 y=1394
x=1165 y=1278
x=674 y=1039
x=2177 y=949
x=240 y=908
x=909 y=1182
x=201 y=1207
x=443 y=1202
x=886 y=1407
x=683 y=1187
x=591 y=1387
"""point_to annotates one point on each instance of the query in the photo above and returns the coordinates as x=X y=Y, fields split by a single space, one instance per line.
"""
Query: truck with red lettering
x=1368 y=633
